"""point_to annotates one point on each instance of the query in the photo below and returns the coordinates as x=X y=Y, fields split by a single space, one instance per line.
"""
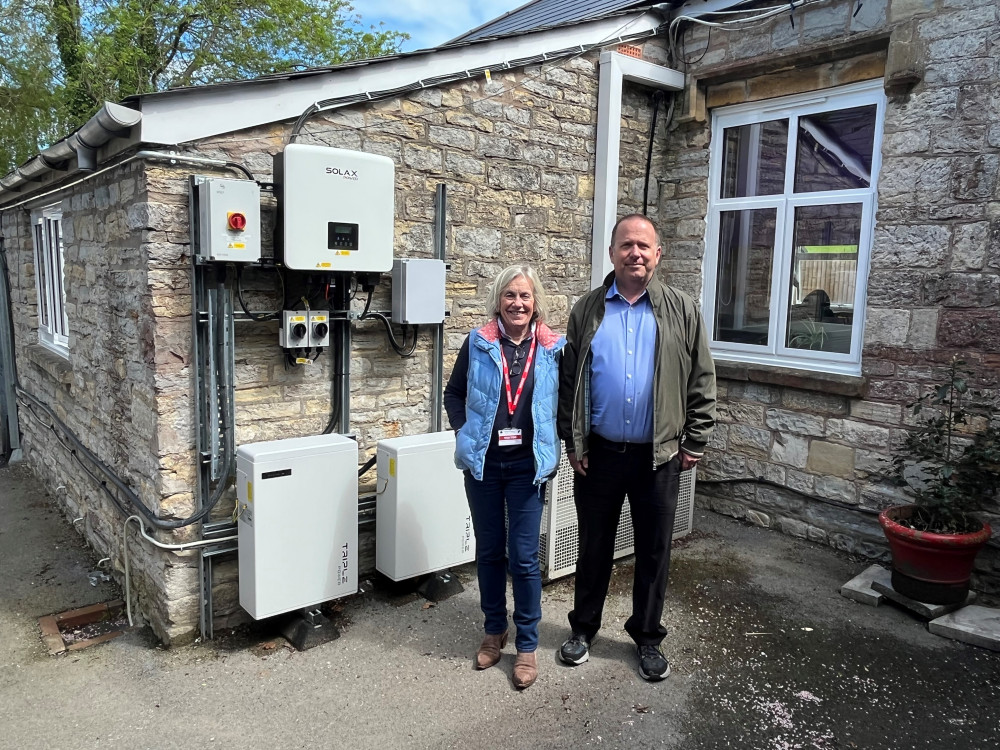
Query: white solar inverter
x=298 y=523
x=423 y=523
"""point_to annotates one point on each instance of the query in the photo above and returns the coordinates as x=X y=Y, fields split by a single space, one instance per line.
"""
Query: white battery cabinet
x=422 y=518
x=298 y=523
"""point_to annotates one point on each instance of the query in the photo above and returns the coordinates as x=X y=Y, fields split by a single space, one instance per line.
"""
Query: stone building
x=836 y=146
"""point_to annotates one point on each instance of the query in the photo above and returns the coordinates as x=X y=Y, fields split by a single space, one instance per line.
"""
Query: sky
x=432 y=22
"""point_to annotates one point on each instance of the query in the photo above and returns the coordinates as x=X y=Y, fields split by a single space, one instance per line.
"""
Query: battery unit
x=298 y=523
x=424 y=524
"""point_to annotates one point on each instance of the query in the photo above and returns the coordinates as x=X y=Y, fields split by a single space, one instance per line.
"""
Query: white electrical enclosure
x=228 y=220
x=418 y=291
x=337 y=208
x=298 y=523
x=559 y=540
x=423 y=523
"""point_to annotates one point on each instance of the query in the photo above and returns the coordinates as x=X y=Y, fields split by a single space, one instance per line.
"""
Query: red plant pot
x=928 y=567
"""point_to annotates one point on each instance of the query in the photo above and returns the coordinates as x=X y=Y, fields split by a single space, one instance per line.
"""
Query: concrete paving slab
x=921 y=609
x=977 y=625
x=860 y=588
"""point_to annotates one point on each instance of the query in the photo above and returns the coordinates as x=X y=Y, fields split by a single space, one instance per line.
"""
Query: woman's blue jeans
x=508 y=484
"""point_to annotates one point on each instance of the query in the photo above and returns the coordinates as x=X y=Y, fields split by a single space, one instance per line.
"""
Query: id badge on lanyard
x=511 y=436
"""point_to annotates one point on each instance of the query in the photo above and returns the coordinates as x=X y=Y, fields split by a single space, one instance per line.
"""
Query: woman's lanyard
x=512 y=403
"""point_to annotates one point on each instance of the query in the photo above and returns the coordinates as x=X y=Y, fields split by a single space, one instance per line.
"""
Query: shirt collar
x=613 y=292
x=503 y=331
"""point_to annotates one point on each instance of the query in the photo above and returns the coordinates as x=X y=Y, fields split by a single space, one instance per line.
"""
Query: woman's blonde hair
x=503 y=280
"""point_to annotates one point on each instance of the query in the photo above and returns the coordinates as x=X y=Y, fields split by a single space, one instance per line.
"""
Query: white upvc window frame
x=50 y=279
x=791 y=107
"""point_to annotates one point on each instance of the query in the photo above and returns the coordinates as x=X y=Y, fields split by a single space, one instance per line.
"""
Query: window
x=53 y=327
x=790 y=218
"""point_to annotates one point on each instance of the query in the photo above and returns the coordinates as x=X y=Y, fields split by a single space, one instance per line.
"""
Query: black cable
x=260 y=317
x=239 y=167
x=367 y=465
x=133 y=498
x=397 y=347
x=657 y=98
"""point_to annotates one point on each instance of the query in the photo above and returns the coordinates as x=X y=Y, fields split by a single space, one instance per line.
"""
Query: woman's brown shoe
x=525 y=669
x=489 y=650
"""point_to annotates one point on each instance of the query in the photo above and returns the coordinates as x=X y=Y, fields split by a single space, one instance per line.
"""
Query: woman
x=501 y=400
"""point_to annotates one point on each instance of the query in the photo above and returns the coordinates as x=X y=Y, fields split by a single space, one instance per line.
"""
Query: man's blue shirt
x=621 y=372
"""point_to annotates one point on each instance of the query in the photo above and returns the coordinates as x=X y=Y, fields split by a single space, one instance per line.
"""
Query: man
x=636 y=407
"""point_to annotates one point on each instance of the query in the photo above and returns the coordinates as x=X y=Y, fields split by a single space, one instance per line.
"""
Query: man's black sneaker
x=653 y=665
x=576 y=650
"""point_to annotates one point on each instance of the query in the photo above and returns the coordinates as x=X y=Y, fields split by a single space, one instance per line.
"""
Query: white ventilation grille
x=558 y=544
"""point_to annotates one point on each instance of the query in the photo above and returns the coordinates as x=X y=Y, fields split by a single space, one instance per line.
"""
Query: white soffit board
x=615 y=69
x=194 y=114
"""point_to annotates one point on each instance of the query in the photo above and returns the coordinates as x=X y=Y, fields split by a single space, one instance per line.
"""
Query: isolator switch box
x=337 y=208
x=228 y=220
x=319 y=328
x=294 y=331
x=418 y=291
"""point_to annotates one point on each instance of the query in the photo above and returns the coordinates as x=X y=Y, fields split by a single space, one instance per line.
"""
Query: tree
x=61 y=59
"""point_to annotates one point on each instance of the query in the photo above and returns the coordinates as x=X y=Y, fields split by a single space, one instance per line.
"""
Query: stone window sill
x=806 y=380
x=58 y=367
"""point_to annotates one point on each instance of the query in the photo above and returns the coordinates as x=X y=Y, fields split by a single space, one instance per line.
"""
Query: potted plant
x=950 y=465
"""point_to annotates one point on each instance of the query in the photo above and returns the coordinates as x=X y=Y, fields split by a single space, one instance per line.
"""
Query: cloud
x=432 y=22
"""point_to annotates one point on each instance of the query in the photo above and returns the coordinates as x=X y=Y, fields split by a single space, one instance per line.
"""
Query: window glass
x=743 y=278
x=791 y=220
x=53 y=325
x=753 y=161
x=824 y=277
x=835 y=150
x=41 y=276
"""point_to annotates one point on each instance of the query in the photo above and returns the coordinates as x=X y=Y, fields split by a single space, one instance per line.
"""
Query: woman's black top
x=458 y=388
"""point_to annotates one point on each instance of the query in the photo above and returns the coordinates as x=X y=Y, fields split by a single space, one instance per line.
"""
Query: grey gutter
x=110 y=120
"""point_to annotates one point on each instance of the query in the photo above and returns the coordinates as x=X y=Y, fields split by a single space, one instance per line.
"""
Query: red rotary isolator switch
x=237 y=221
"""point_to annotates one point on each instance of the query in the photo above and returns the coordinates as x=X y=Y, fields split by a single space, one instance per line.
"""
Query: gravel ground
x=764 y=651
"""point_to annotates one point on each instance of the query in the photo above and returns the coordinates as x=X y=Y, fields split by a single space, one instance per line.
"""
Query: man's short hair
x=627 y=217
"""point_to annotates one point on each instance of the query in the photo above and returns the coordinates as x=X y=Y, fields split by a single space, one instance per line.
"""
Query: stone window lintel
x=695 y=107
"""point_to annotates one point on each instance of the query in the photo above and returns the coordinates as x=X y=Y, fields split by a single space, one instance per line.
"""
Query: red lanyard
x=512 y=404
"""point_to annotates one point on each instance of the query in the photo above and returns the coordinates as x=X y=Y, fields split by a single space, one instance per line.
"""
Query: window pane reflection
x=835 y=150
x=824 y=277
x=753 y=159
x=743 y=276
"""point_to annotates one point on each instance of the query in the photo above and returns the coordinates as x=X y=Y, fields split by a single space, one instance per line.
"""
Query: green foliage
x=808 y=334
x=951 y=461
x=61 y=59
x=29 y=88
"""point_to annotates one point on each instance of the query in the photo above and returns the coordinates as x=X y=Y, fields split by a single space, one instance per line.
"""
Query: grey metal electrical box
x=418 y=291
x=229 y=220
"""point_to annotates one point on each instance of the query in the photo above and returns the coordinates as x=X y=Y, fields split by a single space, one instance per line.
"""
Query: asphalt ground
x=765 y=654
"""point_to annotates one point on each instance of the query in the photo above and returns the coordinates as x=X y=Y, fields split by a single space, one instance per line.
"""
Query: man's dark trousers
x=614 y=471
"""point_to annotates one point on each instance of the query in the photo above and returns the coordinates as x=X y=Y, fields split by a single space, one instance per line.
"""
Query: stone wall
x=105 y=392
x=517 y=156
x=787 y=441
